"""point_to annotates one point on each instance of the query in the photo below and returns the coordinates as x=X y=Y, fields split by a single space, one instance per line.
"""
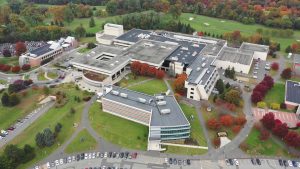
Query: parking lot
x=259 y=69
x=290 y=119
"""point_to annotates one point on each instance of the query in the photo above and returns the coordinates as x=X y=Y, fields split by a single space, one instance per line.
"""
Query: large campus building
x=176 y=53
x=48 y=52
x=161 y=113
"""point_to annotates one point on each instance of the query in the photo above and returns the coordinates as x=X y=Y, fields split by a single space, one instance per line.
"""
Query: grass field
x=83 y=50
x=151 y=87
x=184 y=150
x=82 y=142
x=220 y=26
x=196 y=129
x=49 y=120
x=129 y=80
x=10 y=60
x=268 y=147
x=3 y=2
x=41 y=76
x=276 y=94
x=114 y=129
x=9 y=115
x=52 y=75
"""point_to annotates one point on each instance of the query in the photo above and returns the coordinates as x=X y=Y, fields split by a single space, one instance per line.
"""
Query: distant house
x=292 y=94
x=48 y=52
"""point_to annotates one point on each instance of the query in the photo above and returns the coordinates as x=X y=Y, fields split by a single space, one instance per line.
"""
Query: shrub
x=240 y=120
x=261 y=104
x=286 y=73
x=264 y=135
x=213 y=124
x=275 y=106
x=26 y=67
x=275 y=66
x=91 y=45
x=217 y=142
x=226 y=120
x=15 y=69
x=236 y=128
x=6 y=53
x=282 y=106
x=86 y=98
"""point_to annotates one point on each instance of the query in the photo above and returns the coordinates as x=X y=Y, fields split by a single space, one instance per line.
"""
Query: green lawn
x=129 y=80
x=49 y=120
x=9 y=115
x=115 y=129
x=10 y=60
x=2 y=2
x=87 y=40
x=52 y=75
x=258 y=147
x=216 y=26
x=276 y=94
x=151 y=87
x=196 y=129
x=82 y=142
x=83 y=50
x=184 y=150
x=41 y=76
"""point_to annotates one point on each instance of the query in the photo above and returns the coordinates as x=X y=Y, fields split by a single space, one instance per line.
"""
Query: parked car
x=4 y=132
x=61 y=161
x=170 y=161
x=11 y=128
x=230 y=161
x=188 y=162
x=227 y=162
x=134 y=155
x=253 y=161
x=236 y=162
x=285 y=163
x=290 y=163
x=294 y=163
x=255 y=77
x=280 y=162
x=258 y=161
x=56 y=162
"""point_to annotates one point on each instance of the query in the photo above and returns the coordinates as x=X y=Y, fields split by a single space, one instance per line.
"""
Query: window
x=192 y=92
x=191 y=97
x=192 y=88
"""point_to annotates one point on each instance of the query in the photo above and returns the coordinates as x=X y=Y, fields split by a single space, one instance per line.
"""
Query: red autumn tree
x=160 y=74
x=269 y=81
x=152 y=71
x=236 y=128
x=280 y=130
x=179 y=83
x=200 y=33
x=26 y=67
x=292 y=139
x=275 y=66
x=15 y=69
x=240 y=120
x=268 y=121
x=264 y=135
x=213 y=124
x=6 y=68
x=256 y=97
x=135 y=67
x=226 y=120
x=20 y=48
x=261 y=88
x=286 y=73
x=144 y=69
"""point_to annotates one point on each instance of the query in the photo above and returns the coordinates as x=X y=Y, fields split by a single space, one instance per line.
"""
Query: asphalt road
x=145 y=162
x=20 y=127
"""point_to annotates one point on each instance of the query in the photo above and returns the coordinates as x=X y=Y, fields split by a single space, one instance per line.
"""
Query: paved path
x=27 y=122
x=138 y=83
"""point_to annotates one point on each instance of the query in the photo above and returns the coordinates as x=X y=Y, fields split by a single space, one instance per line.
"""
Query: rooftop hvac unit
x=142 y=100
x=123 y=95
x=174 y=58
x=297 y=85
x=203 y=59
x=198 y=68
x=203 y=64
x=115 y=92
x=165 y=111
x=185 y=48
x=161 y=103
x=208 y=72
x=160 y=97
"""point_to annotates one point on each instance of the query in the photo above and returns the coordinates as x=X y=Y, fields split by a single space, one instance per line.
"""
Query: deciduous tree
x=286 y=73
x=226 y=120
x=268 y=121
x=280 y=130
x=20 y=48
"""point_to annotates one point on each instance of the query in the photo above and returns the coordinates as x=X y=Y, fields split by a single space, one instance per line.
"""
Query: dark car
x=258 y=161
x=82 y=156
x=121 y=155
x=294 y=163
x=11 y=128
x=188 y=162
x=134 y=155
x=109 y=154
x=126 y=154
x=230 y=161
x=285 y=163
x=174 y=161
x=170 y=161
x=114 y=155
x=253 y=161
x=280 y=162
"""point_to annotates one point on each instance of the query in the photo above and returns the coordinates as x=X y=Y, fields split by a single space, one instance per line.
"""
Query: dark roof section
x=175 y=118
x=42 y=50
x=133 y=35
x=292 y=93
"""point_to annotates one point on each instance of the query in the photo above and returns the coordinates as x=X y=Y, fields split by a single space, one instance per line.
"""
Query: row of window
x=174 y=131
x=175 y=136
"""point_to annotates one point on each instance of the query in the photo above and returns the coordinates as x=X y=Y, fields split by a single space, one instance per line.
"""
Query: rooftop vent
x=161 y=103
x=115 y=92
x=174 y=58
x=93 y=52
x=203 y=64
x=160 y=97
x=203 y=59
x=208 y=72
x=165 y=111
x=185 y=48
x=142 y=100
x=123 y=95
x=297 y=85
x=198 y=68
